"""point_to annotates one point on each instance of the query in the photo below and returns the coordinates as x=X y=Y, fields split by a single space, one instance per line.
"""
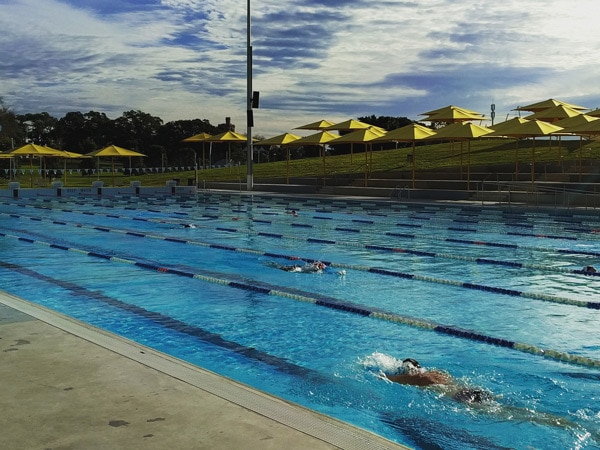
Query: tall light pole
x=249 y=112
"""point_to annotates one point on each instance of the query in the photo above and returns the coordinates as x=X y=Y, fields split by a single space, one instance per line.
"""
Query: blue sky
x=315 y=59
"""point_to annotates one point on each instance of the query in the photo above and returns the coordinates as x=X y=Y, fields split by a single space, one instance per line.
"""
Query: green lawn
x=483 y=152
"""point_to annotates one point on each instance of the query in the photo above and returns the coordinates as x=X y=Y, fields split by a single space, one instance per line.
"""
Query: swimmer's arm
x=424 y=379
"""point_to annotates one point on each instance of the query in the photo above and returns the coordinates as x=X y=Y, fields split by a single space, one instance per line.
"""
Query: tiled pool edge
x=311 y=423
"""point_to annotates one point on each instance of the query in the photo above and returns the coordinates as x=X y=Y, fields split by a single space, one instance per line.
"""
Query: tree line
x=136 y=130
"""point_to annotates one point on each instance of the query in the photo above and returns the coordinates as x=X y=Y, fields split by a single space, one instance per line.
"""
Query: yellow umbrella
x=591 y=128
x=360 y=136
x=449 y=107
x=201 y=137
x=409 y=133
x=462 y=131
x=554 y=114
x=545 y=104
x=318 y=125
x=353 y=125
x=508 y=125
x=69 y=155
x=229 y=137
x=113 y=151
x=282 y=139
x=321 y=138
x=452 y=114
x=349 y=125
x=32 y=150
x=594 y=113
x=531 y=128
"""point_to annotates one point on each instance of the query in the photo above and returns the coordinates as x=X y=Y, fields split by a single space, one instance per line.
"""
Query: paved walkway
x=65 y=385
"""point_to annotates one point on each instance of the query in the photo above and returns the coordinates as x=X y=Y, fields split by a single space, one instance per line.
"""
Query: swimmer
x=292 y=212
x=314 y=267
x=589 y=269
x=412 y=373
x=189 y=225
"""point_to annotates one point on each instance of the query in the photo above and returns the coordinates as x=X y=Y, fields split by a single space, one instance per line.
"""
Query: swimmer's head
x=411 y=367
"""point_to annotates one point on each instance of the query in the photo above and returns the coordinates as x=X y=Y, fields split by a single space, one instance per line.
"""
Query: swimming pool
x=495 y=297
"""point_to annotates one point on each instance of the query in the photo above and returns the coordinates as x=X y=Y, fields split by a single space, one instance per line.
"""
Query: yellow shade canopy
x=35 y=150
x=282 y=139
x=452 y=114
x=227 y=136
x=349 y=125
x=320 y=138
x=197 y=137
x=554 y=114
x=580 y=119
x=586 y=129
x=114 y=151
x=447 y=108
x=531 y=128
x=408 y=133
x=545 y=104
x=594 y=113
x=358 y=136
x=507 y=125
x=460 y=131
x=318 y=125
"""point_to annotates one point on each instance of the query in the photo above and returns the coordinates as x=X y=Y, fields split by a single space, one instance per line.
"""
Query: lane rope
x=332 y=303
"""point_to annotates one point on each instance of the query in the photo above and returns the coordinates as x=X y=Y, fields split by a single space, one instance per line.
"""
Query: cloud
x=333 y=59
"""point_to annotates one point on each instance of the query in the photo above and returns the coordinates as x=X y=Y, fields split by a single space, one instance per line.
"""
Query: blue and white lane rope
x=170 y=323
x=386 y=248
x=430 y=237
x=386 y=272
x=333 y=303
x=415 y=217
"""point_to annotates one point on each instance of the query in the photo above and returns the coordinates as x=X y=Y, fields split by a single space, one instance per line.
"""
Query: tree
x=136 y=130
x=37 y=128
x=386 y=122
x=8 y=122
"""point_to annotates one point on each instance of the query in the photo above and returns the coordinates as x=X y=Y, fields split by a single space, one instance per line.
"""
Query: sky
x=312 y=60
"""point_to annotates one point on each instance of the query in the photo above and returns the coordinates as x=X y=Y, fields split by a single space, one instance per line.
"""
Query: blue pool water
x=495 y=297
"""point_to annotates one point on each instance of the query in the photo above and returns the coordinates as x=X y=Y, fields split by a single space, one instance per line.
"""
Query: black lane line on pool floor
x=414 y=217
x=170 y=323
x=409 y=236
x=349 y=307
x=385 y=272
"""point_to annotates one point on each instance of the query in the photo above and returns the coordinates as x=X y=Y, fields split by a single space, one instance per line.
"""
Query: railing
x=538 y=195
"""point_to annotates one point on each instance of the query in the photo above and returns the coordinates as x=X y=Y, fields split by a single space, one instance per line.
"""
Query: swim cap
x=411 y=367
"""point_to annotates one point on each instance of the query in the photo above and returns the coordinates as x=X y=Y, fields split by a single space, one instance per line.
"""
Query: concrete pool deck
x=67 y=385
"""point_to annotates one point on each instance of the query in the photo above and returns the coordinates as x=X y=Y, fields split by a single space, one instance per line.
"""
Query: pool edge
x=324 y=428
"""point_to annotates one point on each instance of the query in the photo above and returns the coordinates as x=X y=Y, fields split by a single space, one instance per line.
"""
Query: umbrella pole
x=468 y=165
x=324 y=171
x=351 y=151
x=533 y=163
x=287 y=167
x=366 y=166
x=203 y=157
x=461 y=159
x=413 y=164
x=195 y=169
x=112 y=160
x=580 y=157
x=517 y=160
